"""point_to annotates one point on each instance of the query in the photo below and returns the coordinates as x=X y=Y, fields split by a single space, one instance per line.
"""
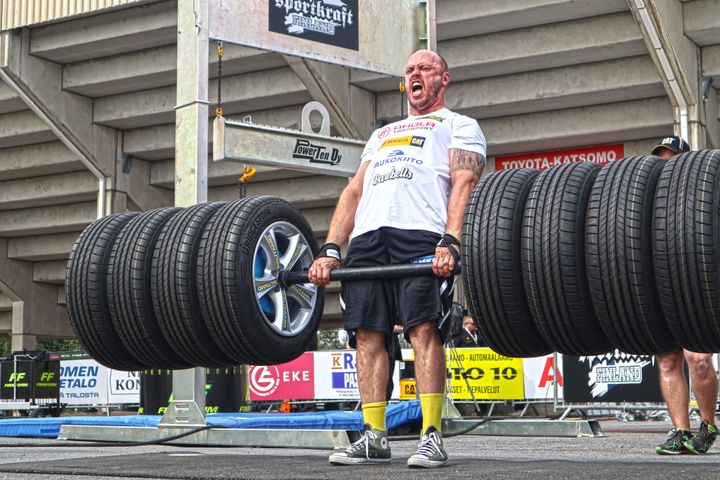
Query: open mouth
x=416 y=88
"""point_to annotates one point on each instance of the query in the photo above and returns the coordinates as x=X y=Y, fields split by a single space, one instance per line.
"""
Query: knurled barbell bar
x=387 y=272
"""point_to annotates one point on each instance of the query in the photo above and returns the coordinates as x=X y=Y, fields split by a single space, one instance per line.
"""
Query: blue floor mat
x=398 y=414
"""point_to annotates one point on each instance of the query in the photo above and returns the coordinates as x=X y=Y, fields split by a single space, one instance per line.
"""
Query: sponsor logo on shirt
x=432 y=117
x=398 y=158
x=393 y=174
x=404 y=127
x=410 y=140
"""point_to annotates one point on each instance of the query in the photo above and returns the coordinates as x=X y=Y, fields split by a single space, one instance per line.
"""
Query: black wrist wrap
x=452 y=244
x=331 y=250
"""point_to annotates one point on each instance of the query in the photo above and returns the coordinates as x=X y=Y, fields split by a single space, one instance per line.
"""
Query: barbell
x=577 y=259
x=389 y=272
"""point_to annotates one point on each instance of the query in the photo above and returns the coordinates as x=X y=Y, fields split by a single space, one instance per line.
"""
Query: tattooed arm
x=465 y=170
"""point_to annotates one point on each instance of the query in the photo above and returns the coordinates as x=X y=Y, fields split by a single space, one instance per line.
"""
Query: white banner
x=336 y=376
x=86 y=382
x=540 y=374
x=123 y=387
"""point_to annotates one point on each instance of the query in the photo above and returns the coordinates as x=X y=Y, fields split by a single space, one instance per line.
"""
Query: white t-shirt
x=407 y=184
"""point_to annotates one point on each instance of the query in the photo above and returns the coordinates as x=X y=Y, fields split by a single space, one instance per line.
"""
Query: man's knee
x=670 y=364
x=370 y=340
x=424 y=333
x=700 y=364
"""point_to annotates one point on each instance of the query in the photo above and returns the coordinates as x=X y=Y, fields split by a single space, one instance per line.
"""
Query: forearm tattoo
x=466 y=160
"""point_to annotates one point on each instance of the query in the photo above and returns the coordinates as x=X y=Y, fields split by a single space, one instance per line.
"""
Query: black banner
x=46 y=379
x=333 y=22
x=614 y=377
x=29 y=378
x=16 y=378
x=225 y=390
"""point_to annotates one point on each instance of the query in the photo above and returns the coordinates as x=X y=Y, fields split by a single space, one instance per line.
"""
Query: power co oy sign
x=485 y=374
x=315 y=152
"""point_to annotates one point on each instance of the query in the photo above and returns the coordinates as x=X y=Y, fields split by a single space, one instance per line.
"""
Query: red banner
x=279 y=382
x=600 y=154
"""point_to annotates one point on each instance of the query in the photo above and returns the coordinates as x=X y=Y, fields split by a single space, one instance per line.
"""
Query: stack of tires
x=583 y=260
x=195 y=287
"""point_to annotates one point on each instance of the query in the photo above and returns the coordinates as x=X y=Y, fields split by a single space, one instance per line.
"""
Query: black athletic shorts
x=379 y=304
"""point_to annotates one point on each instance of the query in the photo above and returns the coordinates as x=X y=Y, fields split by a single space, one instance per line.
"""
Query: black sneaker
x=674 y=443
x=703 y=440
x=373 y=447
x=431 y=453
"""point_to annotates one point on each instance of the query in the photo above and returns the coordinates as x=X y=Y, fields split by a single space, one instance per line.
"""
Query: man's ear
x=446 y=78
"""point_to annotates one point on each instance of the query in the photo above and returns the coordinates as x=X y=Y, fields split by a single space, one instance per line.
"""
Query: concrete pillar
x=35 y=311
x=19 y=339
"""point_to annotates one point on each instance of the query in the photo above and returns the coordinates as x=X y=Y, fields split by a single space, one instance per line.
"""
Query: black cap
x=673 y=143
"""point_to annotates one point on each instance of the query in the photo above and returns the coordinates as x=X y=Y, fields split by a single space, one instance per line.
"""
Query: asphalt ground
x=626 y=451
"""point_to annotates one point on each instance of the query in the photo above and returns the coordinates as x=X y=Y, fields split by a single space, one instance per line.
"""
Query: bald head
x=430 y=54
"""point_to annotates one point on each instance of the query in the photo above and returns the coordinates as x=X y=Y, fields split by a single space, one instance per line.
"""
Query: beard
x=432 y=92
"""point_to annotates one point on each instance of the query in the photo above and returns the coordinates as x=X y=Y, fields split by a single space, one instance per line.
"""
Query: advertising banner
x=540 y=374
x=292 y=380
x=352 y=33
x=332 y=23
x=336 y=376
x=600 y=154
x=83 y=382
x=86 y=382
x=489 y=375
x=16 y=379
x=123 y=387
x=46 y=379
x=613 y=377
x=224 y=390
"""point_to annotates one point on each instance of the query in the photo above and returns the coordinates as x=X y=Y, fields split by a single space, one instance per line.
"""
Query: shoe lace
x=429 y=445
x=362 y=444
x=674 y=434
x=704 y=434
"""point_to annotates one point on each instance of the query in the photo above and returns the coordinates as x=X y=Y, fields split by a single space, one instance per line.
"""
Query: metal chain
x=218 y=109
x=248 y=172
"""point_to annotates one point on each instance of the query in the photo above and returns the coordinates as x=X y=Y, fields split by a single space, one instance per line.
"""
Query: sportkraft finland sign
x=344 y=32
x=334 y=22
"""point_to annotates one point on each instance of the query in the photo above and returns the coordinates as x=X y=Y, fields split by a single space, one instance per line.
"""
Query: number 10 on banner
x=489 y=375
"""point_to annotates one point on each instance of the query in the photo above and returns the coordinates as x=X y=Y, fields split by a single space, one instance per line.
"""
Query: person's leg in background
x=704 y=381
x=675 y=392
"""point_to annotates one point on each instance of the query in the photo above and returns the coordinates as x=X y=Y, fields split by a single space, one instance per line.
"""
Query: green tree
x=329 y=340
x=59 y=345
x=50 y=346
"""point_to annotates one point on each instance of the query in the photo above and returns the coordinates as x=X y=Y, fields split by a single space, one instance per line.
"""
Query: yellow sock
x=431 y=405
x=374 y=415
